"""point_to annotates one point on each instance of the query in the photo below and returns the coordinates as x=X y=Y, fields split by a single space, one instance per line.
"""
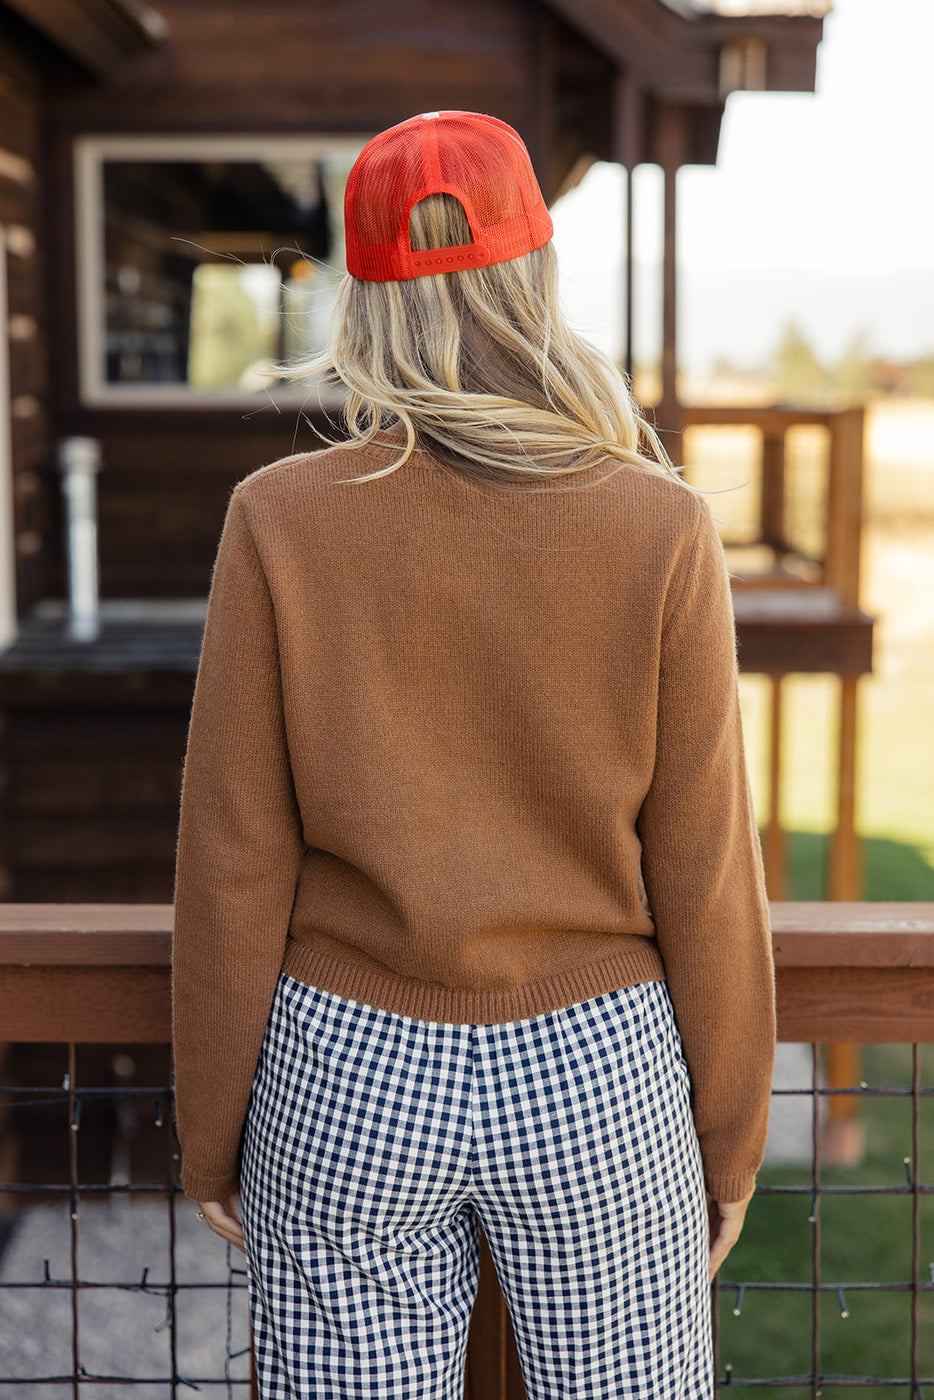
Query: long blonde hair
x=480 y=369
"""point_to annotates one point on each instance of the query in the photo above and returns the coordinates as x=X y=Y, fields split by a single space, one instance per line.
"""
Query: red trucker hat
x=479 y=160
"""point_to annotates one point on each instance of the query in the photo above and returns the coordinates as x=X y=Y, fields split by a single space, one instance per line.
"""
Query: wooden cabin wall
x=286 y=66
x=21 y=189
x=92 y=768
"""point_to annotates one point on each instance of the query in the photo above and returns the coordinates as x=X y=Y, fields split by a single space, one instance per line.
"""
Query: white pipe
x=79 y=460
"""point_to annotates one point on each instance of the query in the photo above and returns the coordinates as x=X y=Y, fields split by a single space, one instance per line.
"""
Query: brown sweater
x=449 y=747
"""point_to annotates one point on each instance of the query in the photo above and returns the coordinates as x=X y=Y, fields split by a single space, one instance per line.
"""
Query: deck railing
x=83 y=976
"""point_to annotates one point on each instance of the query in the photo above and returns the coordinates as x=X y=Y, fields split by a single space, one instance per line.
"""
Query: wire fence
x=109 y=1285
x=899 y=1347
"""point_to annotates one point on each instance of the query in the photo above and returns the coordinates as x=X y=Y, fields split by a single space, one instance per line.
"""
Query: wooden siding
x=21 y=190
x=92 y=770
x=164 y=488
x=98 y=34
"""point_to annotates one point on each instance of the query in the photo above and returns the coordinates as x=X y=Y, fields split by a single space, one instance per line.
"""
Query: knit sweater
x=469 y=756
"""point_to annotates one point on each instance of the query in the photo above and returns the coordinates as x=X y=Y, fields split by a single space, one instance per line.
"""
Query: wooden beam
x=773 y=642
x=845 y=972
x=100 y=35
x=769 y=419
x=87 y=1005
x=806 y=932
x=852 y=934
x=679 y=53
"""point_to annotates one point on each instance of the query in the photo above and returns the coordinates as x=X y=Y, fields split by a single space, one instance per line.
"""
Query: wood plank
x=381 y=65
x=76 y=790
x=805 y=933
x=123 y=1001
x=59 y=690
x=98 y=34
x=87 y=921
x=777 y=646
x=864 y=1005
x=818 y=933
x=845 y=971
x=844 y=507
x=19 y=121
x=144 y=880
x=679 y=52
x=88 y=1005
x=95 y=842
x=770 y=420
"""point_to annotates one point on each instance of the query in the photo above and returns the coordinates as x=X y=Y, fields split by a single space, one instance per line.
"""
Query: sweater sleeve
x=239 y=851
x=702 y=868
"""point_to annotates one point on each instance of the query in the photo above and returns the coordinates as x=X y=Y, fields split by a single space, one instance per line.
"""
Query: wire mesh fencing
x=109 y=1286
x=831 y=1288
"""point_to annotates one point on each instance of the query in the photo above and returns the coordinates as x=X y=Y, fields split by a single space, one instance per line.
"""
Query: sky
x=820 y=209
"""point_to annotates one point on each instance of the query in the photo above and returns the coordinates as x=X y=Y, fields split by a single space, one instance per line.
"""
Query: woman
x=470 y=920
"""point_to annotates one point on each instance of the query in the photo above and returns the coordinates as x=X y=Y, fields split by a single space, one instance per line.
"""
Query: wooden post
x=628 y=293
x=844 y=1134
x=776 y=863
x=845 y=505
x=845 y=876
x=772 y=508
x=671 y=151
x=629 y=104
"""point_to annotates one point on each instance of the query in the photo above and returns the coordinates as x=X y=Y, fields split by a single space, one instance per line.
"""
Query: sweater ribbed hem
x=428 y=1001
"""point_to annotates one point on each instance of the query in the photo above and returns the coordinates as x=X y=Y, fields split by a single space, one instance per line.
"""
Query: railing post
x=772 y=505
x=775 y=838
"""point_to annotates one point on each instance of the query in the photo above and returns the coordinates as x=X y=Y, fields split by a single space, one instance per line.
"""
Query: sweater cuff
x=724 y=1189
x=208 y=1188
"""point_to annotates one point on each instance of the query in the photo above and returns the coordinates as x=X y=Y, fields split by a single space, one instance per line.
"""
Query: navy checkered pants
x=376 y=1142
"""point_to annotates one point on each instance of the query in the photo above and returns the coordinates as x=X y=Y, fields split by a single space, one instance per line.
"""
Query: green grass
x=891 y=869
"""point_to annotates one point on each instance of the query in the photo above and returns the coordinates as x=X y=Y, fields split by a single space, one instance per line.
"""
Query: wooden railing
x=788 y=621
x=99 y=973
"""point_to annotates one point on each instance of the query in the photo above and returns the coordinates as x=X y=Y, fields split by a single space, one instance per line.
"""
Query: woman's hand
x=222 y=1219
x=726 y=1223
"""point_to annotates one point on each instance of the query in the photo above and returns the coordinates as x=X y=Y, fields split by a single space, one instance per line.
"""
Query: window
x=205 y=262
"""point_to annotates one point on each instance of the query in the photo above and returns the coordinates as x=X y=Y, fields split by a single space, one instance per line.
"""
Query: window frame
x=90 y=154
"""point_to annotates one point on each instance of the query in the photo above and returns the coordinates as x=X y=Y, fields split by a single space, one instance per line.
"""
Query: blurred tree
x=230 y=331
x=854 y=375
x=799 y=376
x=921 y=377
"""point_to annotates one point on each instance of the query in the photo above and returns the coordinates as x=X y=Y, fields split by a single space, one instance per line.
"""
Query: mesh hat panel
x=478 y=159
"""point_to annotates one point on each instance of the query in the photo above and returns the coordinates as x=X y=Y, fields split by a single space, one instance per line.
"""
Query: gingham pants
x=374 y=1144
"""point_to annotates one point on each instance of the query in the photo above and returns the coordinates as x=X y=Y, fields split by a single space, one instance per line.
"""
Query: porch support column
x=628 y=136
x=671 y=152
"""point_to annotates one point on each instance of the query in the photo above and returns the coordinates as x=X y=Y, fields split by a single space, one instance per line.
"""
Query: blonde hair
x=480 y=369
